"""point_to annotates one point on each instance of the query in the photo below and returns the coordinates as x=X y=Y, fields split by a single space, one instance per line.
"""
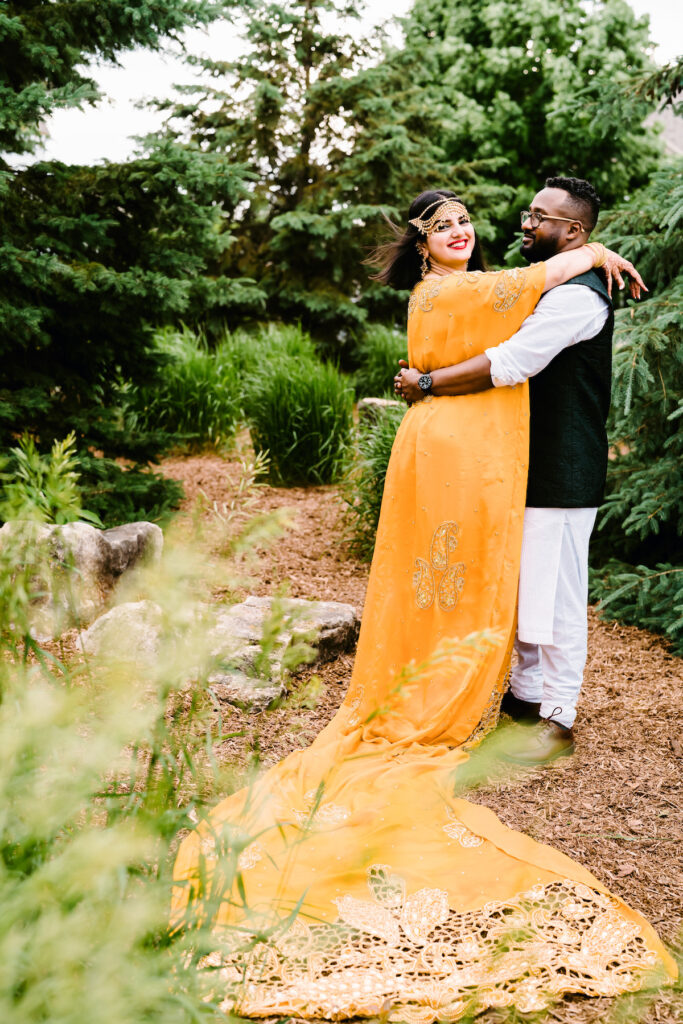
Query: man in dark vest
x=564 y=349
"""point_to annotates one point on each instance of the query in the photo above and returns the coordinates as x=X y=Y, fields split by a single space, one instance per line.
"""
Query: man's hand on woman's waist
x=465 y=378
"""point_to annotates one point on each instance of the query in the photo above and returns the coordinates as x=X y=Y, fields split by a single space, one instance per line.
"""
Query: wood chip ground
x=615 y=806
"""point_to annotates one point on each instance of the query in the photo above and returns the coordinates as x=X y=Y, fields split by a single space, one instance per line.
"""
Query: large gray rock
x=239 y=670
x=75 y=567
x=370 y=409
x=329 y=627
x=129 y=632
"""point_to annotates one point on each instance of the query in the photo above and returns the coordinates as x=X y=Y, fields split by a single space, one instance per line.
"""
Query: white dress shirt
x=563 y=317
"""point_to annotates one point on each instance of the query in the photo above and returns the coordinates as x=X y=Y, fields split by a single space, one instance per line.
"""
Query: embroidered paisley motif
x=448 y=585
x=509 y=288
x=423 y=581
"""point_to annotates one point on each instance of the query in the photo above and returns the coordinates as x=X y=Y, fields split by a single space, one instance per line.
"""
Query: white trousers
x=552 y=625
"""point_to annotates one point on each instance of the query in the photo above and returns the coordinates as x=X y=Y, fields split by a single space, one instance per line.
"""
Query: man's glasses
x=538 y=218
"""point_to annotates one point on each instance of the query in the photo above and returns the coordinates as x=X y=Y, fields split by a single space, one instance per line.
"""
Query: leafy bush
x=366 y=485
x=197 y=395
x=301 y=413
x=378 y=354
x=119 y=495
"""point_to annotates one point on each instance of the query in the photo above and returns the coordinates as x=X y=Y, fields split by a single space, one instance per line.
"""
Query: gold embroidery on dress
x=428 y=962
x=425 y=292
x=316 y=813
x=452 y=579
x=509 y=287
x=422 y=295
x=456 y=830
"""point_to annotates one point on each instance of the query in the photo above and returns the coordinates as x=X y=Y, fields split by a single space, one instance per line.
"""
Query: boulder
x=76 y=567
x=329 y=627
x=370 y=409
x=129 y=632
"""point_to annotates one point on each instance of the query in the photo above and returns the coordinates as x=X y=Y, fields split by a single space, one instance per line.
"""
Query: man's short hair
x=585 y=200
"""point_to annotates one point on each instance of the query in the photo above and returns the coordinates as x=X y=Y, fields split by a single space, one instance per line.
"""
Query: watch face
x=425 y=382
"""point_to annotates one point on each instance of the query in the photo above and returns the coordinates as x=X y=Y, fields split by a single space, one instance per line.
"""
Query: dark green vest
x=569 y=404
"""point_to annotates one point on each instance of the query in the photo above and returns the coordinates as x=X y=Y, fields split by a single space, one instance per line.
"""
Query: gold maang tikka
x=444 y=207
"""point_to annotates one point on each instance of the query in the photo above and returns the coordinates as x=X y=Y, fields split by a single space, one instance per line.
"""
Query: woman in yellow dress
x=363 y=884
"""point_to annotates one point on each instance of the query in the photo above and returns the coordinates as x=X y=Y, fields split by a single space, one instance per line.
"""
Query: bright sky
x=105 y=132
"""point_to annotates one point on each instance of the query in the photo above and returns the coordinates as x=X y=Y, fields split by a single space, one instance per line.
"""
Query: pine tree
x=332 y=139
x=516 y=81
x=92 y=258
x=637 y=549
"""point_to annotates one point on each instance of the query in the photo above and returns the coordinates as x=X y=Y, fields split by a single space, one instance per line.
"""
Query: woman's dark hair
x=399 y=261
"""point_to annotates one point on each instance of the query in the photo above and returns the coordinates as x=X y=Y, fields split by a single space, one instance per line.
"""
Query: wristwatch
x=425 y=382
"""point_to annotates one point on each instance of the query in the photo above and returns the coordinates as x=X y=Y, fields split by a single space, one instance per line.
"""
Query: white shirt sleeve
x=563 y=317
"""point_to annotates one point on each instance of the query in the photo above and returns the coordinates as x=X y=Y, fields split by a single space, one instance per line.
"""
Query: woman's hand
x=405 y=383
x=614 y=266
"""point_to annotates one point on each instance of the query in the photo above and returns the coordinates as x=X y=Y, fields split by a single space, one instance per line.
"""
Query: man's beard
x=540 y=249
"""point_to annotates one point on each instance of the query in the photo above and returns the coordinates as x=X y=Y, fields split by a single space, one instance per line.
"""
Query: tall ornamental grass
x=199 y=397
x=301 y=413
x=254 y=352
x=365 y=487
x=378 y=353
x=104 y=765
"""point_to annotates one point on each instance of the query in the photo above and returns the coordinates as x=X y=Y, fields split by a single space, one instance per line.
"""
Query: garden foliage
x=337 y=126
x=99 y=777
x=377 y=353
x=93 y=258
x=301 y=414
x=365 y=486
x=637 y=551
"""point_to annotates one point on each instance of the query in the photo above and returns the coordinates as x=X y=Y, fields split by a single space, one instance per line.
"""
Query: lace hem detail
x=417 y=961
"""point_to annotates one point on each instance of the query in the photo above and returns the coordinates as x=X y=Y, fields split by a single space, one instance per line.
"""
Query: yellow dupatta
x=405 y=899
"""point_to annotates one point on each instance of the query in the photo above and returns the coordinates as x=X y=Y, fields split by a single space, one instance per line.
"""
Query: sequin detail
x=446 y=586
x=425 y=962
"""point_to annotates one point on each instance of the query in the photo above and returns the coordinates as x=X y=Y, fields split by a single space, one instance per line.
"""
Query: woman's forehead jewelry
x=444 y=207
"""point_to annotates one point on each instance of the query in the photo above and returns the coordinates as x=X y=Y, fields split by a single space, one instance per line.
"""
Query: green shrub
x=253 y=352
x=197 y=398
x=365 y=488
x=301 y=413
x=378 y=354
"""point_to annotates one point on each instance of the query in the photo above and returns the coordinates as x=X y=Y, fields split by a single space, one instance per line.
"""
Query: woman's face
x=452 y=241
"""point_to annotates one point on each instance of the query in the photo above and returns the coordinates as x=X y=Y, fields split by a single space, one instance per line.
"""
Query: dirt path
x=615 y=806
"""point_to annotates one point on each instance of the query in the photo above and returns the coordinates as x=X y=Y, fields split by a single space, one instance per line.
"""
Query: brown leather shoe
x=520 y=710
x=539 y=743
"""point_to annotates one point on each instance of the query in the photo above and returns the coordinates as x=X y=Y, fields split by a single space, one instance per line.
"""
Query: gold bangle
x=599 y=253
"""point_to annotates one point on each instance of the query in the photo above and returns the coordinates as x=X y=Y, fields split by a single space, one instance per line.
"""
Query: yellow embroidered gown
x=372 y=887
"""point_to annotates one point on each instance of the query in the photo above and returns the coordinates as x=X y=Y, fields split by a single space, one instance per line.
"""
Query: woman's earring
x=424 y=269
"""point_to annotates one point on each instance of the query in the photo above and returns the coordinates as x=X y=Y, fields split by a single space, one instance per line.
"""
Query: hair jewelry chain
x=444 y=207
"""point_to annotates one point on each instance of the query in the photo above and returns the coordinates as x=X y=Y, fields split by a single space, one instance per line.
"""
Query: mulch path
x=615 y=806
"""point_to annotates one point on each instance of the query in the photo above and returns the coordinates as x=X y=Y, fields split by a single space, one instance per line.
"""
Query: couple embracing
x=360 y=883
x=564 y=349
